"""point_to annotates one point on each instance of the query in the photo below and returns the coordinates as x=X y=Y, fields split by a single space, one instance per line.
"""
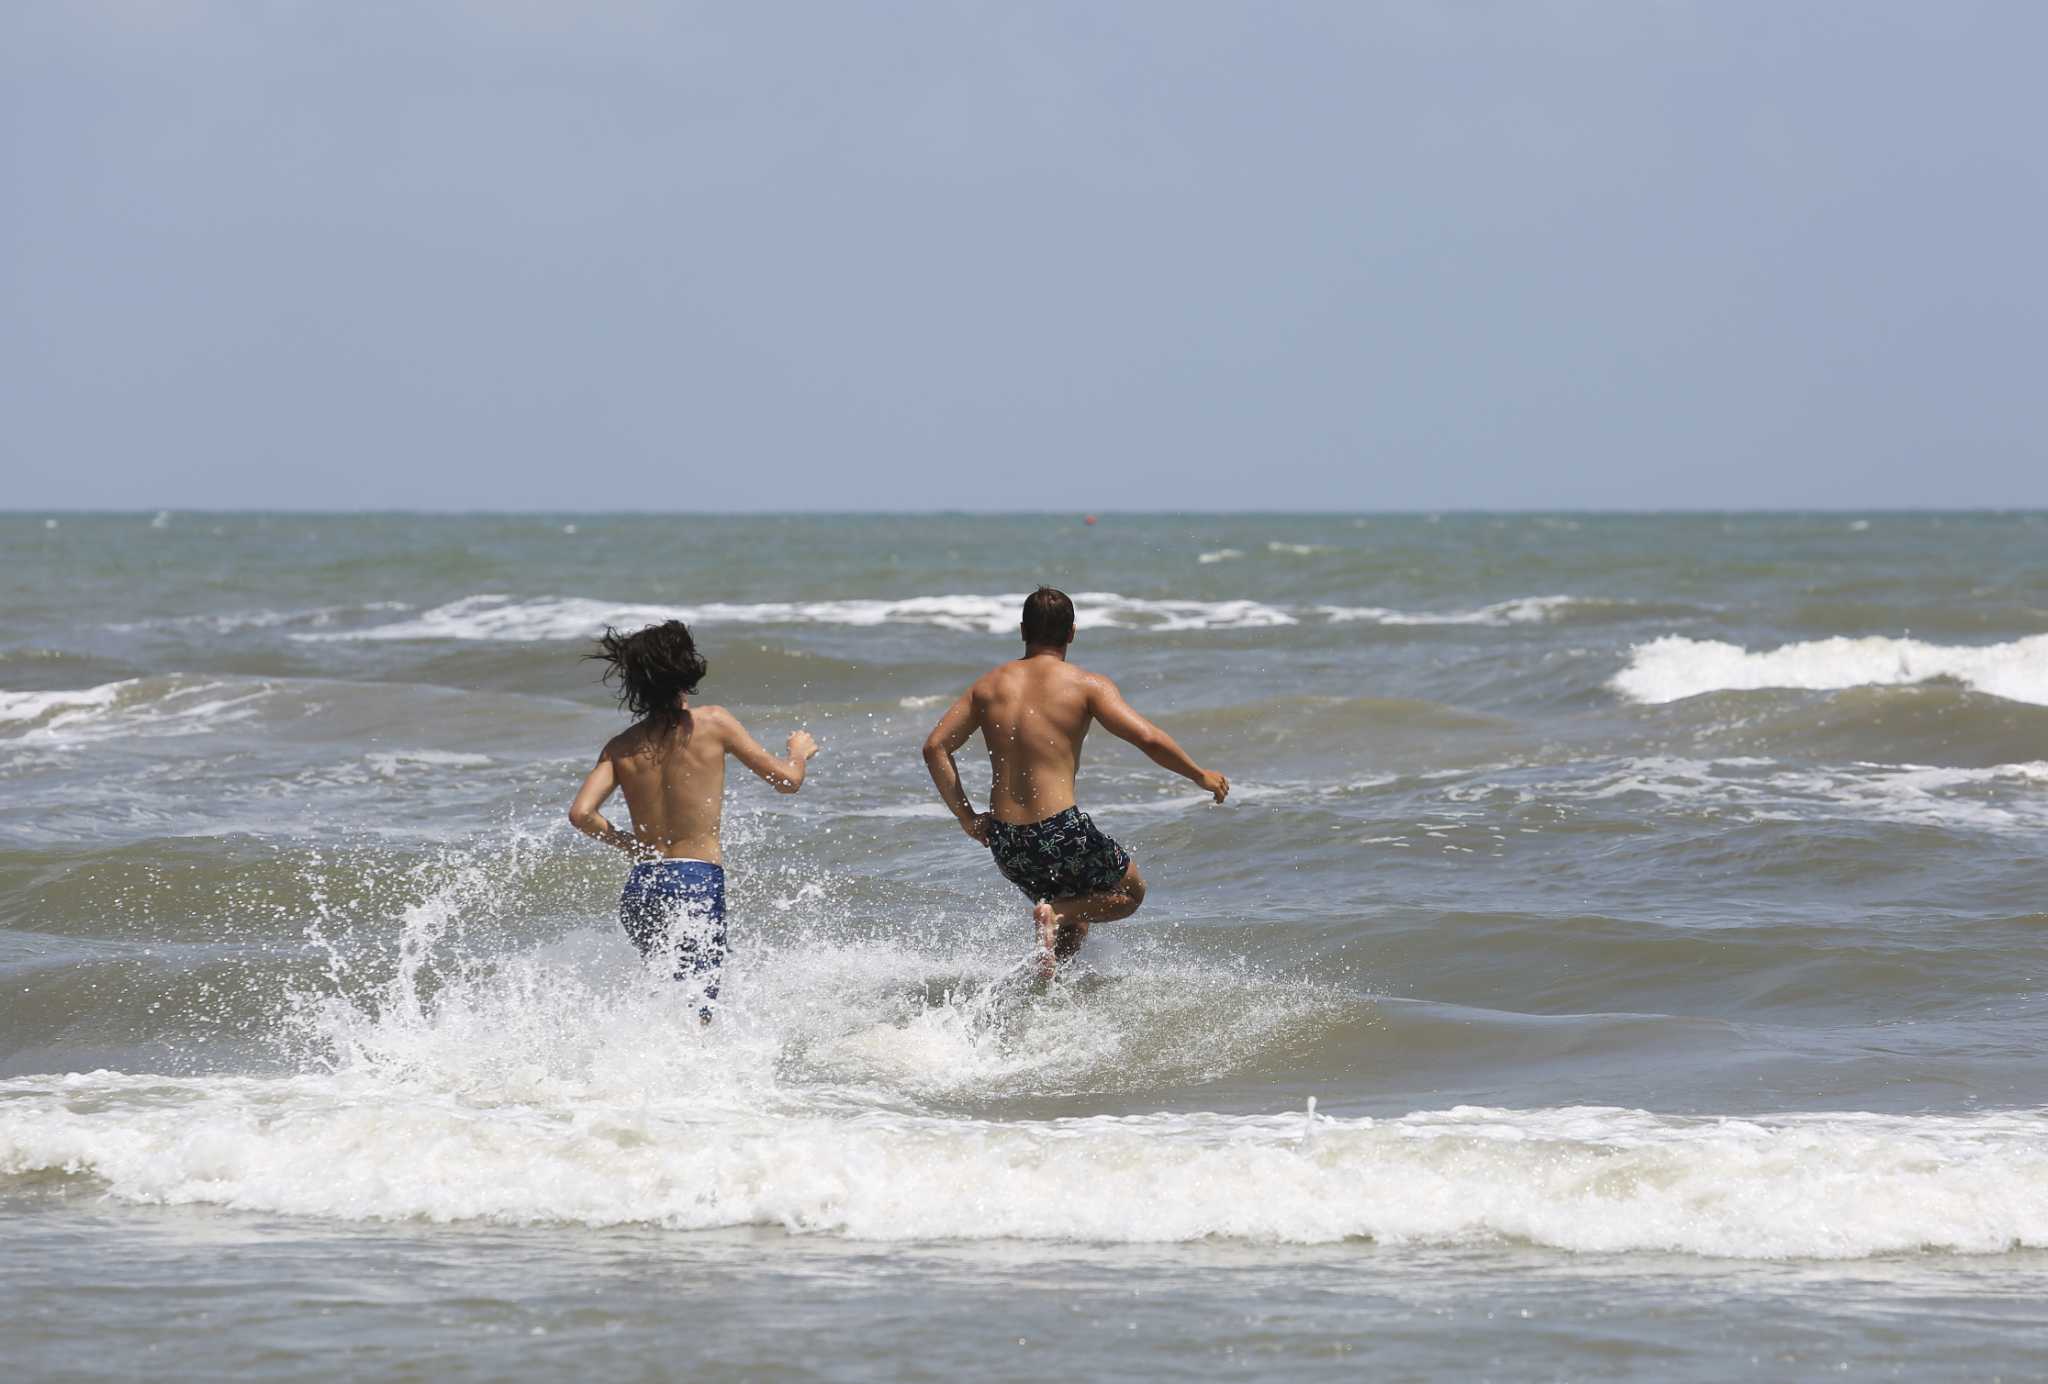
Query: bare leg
x=1047 y=924
x=1063 y=924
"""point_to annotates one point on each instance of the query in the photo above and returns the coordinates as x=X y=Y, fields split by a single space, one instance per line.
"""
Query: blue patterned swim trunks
x=678 y=906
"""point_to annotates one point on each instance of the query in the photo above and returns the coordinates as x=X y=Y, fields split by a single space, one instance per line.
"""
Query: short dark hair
x=1048 y=617
x=653 y=666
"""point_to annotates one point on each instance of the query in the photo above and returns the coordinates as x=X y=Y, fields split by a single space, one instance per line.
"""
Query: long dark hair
x=653 y=667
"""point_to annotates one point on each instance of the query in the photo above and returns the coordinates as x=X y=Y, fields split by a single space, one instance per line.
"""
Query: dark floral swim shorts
x=1057 y=858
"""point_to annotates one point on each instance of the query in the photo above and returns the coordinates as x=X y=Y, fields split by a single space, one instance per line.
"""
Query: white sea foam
x=566 y=1085
x=1674 y=667
x=1296 y=549
x=231 y=621
x=65 y=706
x=907 y=811
x=1826 y=1186
x=1221 y=555
x=167 y=707
x=1521 y=610
x=396 y=762
x=1999 y=797
x=498 y=617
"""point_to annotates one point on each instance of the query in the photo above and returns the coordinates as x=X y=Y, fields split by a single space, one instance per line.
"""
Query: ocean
x=1623 y=954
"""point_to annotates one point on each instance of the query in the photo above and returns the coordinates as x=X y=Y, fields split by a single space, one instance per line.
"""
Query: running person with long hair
x=670 y=763
x=1033 y=714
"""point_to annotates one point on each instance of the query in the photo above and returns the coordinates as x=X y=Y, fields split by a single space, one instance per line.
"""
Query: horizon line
x=1422 y=512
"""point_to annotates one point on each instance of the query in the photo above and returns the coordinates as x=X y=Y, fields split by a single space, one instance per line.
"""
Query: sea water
x=1622 y=953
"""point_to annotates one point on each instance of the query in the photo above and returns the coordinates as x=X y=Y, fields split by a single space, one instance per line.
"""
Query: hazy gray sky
x=1048 y=256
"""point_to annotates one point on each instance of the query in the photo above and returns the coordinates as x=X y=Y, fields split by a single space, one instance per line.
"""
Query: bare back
x=674 y=783
x=1034 y=714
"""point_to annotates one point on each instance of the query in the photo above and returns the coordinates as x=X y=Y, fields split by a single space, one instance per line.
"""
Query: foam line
x=569 y=617
x=1837 y=1186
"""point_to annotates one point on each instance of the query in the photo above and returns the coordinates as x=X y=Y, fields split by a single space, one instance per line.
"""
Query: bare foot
x=1048 y=925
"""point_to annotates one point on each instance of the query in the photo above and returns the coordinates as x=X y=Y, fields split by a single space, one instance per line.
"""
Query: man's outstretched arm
x=960 y=721
x=1122 y=720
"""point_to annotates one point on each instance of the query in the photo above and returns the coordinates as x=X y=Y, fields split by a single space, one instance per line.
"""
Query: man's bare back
x=1033 y=715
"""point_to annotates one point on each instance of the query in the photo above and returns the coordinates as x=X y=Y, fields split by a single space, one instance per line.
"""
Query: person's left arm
x=599 y=785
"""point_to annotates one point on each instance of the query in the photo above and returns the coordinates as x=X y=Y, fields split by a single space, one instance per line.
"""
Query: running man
x=1033 y=714
x=671 y=764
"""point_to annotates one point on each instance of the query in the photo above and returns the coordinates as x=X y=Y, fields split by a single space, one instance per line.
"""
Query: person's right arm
x=584 y=815
x=961 y=720
x=785 y=775
x=1122 y=720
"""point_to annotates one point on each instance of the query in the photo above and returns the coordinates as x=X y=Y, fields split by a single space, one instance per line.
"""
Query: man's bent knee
x=1133 y=887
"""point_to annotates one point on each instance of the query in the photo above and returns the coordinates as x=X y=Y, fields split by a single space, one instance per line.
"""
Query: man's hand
x=1215 y=783
x=975 y=824
x=802 y=745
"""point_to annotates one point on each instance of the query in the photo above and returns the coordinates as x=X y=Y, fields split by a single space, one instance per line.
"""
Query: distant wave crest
x=502 y=617
x=1521 y=610
x=174 y=705
x=573 y=617
x=1674 y=667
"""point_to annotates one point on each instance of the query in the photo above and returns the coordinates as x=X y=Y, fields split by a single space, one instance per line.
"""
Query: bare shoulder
x=984 y=687
x=715 y=719
x=1096 y=684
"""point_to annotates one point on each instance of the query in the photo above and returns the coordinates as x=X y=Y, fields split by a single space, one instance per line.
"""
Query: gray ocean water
x=1651 y=907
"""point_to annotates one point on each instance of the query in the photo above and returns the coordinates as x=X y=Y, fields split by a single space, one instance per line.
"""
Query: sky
x=1110 y=255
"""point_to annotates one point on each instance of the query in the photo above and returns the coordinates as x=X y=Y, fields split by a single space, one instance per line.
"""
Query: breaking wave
x=1674 y=667
x=1589 y=1179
